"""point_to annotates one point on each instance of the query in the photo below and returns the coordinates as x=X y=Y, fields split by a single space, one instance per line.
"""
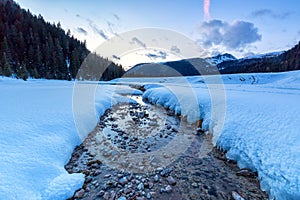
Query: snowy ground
x=260 y=125
x=256 y=119
x=37 y=137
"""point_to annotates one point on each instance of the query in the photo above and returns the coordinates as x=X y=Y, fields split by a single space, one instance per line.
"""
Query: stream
x=141 y=151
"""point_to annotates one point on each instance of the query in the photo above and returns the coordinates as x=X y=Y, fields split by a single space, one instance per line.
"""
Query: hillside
x=186 y=67
x=167 y=69
x=32 y=47
x=287 y=61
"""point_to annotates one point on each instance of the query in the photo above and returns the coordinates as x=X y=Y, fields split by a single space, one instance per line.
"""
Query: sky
x=239 y=27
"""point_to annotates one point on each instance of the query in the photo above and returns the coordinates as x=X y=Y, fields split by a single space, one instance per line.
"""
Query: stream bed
x=141 y=151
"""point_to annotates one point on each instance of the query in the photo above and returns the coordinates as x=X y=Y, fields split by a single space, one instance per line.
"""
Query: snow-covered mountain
x=265 y=55
x=215 y=60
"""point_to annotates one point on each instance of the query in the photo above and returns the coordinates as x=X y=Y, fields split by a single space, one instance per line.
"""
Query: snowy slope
x=215 y=60
x=261 y=120
x=265 y=55
x=38 y=135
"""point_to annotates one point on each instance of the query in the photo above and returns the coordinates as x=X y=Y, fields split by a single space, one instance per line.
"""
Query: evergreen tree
x=22 y=72
x=75 y=63
x=7 y=69
x=44 y=50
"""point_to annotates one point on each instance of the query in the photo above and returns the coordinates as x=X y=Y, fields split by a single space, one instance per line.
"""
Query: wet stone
x=168 y=188
x=107 y=175
x=100 y=193
x=79 y=194
x=171 y=180
x=123 y=181
x=140 y=186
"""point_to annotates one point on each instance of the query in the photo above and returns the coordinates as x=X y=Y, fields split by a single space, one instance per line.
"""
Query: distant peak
x=220 y=58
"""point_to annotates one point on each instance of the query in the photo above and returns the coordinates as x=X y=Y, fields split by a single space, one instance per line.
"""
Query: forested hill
x=287 y=61
x=32 y=47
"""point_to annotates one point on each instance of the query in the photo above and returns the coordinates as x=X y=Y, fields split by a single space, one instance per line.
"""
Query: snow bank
x=261 y=122
x=38 y=135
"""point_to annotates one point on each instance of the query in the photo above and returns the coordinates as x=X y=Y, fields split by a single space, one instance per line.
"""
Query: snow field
x=38 y=135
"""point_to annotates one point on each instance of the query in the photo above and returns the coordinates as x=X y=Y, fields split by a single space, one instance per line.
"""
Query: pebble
x=148 y=196
x=140 y=186
x=123 y=181
x=171 y=180
x=168 y=189
x=127 y=190
x=156 y=178
x=122 y=198
x=120 y=175
x=88 y=179
x=245 y=172
x=159 y=169
x=165 y=172
x=195 y=185
x=107 y=175
x=94 y=182
x=236 y=196
x=106 y=196
x=140 y=198
x=79 y=194
x=110 y=184
x=100 y=193
x=112 y=195
x=162 y=190
x=151 y=185
x=97 y=172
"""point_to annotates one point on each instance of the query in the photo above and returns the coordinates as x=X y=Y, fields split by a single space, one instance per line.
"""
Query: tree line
x=32 y=47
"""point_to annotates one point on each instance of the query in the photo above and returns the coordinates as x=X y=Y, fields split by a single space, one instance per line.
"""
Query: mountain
x=32 y=47
x=269 y=62
x=225 y=63
x=186 y=67
x=215 y=60
x=265 y=55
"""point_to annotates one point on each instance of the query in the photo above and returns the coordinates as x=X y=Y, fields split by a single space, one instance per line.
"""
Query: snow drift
x=261 y=127
x=38 y=135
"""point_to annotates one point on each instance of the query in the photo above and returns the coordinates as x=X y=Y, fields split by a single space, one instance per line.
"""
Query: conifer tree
x=44 y=50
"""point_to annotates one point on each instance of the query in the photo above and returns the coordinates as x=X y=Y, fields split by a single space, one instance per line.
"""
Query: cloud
x=97 y=30
x=116 y=57
x=159 y=54
x=248 y=54
x=116 y=16
x=232 y=36
x=135 y=40
x=175 y=49
x=270 y=13
x=93 y=26
x=111 y=27
x=81 y=30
